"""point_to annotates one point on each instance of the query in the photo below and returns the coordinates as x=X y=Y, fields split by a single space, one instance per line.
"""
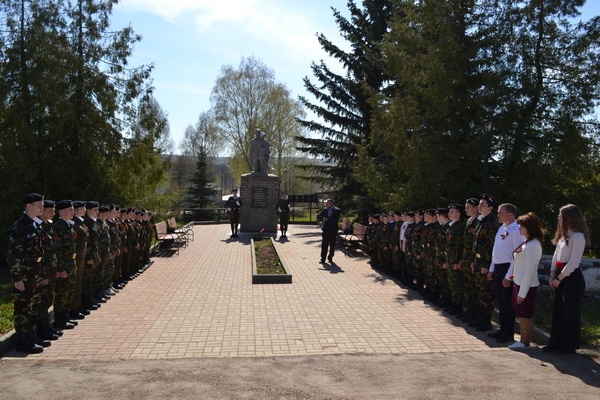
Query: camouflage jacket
x=428 y=241
x=396 y=235
x=49 y=244
x=440 y=243
x=66 y=245
x=24 y=252
x=417 y=245
x=409 y=235
x=455 y=242
x=93 y=238
x=104 y=246
x=469 y=236
x=483 y=241
x=115 y=238
x=81 y=234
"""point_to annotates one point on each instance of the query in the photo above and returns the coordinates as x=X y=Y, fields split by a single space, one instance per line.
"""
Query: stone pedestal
x=260 y=192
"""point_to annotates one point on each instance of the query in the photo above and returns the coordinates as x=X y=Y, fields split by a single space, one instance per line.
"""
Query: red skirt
x=525 y=309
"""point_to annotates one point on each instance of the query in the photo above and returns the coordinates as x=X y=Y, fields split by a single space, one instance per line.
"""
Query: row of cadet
x=467 y=266
x=72 y=255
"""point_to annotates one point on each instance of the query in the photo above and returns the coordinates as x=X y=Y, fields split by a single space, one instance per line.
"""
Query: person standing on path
x=233 y=205
x=506 y=241
x=24 y=257
x=566 y=278
x=283 y=209
x=330 y=217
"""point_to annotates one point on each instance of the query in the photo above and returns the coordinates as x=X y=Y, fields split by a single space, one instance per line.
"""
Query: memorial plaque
x=259 y=197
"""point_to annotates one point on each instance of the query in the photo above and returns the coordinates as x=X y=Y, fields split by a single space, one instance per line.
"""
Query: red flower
x=511 y=277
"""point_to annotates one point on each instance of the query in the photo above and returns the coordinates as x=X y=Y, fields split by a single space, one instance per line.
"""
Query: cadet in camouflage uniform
x=81 y=233
x=471 y=284
x=396 y=244
x=408 y=249
x=417 y=249
x=428 y=244
x=104 y=251
x=92 y=259
x=485 y=233
x=24 y=258
x=48 y=273
x=386 y=239
x=440 y=275
x=369 y=234
x=116 y=240
x=66 y=254
x=454 y=249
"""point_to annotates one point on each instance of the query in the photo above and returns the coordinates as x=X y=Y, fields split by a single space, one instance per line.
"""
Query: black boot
x=61 y=321
x=75 y=315
x=24 y=345
x=45 y=331
x=35 y=339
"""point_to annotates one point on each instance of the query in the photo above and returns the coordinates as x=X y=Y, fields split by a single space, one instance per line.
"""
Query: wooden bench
x=186 y=231
x=164 y=237
x=355 y=237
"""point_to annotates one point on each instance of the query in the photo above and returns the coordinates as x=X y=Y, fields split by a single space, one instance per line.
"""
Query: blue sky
x=189 y=41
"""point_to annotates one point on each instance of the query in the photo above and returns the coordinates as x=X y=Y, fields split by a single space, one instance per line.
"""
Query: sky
x=190 y=41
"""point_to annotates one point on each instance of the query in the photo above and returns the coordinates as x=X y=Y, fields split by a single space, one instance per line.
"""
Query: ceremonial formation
x=468 y=259
x=72 y=255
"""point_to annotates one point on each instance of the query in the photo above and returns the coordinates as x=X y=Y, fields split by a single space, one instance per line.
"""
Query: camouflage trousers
x=80 y=262
x=487 y=295
x=47 y=299
x=118 y=261
x=104 y=268
x=27 y=303
x=89 y=272
x=64 y=290
x=471 y=286
x=456 y=284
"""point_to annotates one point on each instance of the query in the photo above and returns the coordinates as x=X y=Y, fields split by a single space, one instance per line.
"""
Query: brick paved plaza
x=201 y=303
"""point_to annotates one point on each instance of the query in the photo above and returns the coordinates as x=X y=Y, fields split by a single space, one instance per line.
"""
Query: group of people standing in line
x=72 y=255
x=468 y=259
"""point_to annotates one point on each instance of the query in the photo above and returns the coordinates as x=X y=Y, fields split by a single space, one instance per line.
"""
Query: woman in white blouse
x=565 y=276
x=523 y=272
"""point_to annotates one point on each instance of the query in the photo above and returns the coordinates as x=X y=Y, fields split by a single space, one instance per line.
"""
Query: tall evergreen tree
x=343 y=101
x=202 y=190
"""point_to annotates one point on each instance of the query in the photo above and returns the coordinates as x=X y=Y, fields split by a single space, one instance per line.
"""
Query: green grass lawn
x=6 y=302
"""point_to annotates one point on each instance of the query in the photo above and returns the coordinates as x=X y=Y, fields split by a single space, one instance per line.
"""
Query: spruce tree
x=202 y=191
x=343 y=102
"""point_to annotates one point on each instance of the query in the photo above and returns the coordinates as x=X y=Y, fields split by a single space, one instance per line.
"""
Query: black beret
x=456 y=207
x=49 y=203
x=32 y=198
x=78 y=204
x=489 y=199
x=376 y=216
x=130 y=209
x=430 y=211
x=441 y=210
x=472 y=201
x=123 y=211
x=117 y=207
x=63 y=204
x=103 y=209
x=410 y=213
x=111 y=207
x=420 y=212
x=91 y=204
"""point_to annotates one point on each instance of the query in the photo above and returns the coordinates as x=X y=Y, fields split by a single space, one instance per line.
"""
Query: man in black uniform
x=233 y=205
x=283 y=209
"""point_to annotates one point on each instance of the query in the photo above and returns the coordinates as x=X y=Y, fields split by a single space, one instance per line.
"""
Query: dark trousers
x=234 y=225
x=328 y=242
x=283 y=222
x=504 y=299
x=565 y=333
